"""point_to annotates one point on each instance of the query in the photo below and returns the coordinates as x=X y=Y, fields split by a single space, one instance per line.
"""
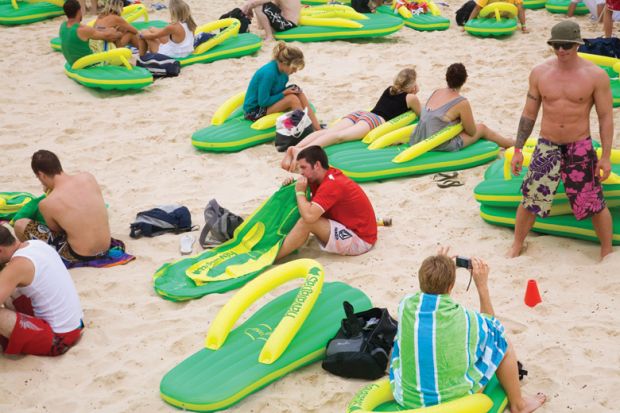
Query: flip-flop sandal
x=186 y=244
x=442 y=176
x=448 y=183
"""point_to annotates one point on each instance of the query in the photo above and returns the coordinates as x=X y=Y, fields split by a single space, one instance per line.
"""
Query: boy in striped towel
x=443 y=351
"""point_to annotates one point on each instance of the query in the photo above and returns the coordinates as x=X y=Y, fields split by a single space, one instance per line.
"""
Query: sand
x=138 y=147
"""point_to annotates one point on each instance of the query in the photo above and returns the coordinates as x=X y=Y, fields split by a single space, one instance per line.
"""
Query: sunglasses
x=562 y=45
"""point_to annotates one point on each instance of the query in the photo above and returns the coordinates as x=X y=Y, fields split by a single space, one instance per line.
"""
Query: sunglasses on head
x=562 y=45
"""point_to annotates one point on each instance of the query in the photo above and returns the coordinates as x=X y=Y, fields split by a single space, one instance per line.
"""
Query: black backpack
x=601 y=46
x=160 y=65
x=157 y=221
x=361 y=347
x=462 y=14
x=236 y=13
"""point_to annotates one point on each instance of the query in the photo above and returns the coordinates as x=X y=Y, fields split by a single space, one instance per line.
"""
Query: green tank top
x=73 y=47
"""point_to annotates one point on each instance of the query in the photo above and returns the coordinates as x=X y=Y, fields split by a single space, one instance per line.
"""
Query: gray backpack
x=220 y=225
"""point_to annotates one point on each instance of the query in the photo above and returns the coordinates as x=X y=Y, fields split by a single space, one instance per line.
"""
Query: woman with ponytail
x=268 y=93
x=395 y=100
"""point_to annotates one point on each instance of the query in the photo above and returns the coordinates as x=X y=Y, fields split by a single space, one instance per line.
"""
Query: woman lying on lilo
x=395 y=100
x=267 y=92
x=447 y=107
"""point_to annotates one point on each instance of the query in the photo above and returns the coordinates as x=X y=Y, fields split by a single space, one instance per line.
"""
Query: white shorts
x=343 y=241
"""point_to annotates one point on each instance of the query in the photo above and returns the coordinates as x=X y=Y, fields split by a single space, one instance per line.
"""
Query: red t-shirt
x=343 y=200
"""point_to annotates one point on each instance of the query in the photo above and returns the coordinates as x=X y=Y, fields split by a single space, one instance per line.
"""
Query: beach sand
x=138 y=147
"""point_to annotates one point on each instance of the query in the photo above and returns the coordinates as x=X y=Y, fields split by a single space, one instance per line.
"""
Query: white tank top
x=183 y=49
x=53 y=295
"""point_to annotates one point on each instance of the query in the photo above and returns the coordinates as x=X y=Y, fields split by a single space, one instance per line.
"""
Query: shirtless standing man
x=278 y=15
x=567 y=87
x=76 y=220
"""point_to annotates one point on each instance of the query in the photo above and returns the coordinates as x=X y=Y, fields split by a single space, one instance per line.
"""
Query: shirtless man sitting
x=567 y=87
x=76 y=220
x=276 y=15
x=46 y=316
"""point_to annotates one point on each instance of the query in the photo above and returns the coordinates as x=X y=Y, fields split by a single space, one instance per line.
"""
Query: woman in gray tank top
x=447 y=107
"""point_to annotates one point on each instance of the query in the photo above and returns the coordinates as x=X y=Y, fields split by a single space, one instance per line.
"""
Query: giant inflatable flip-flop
x=336 y=22
x=12 y=202
x=500 y=195
x=287 y=333
x=16 y=12
x=253 y=248
x=377 y=397
x=384 y=153
x=428 y=21
x=491 y=21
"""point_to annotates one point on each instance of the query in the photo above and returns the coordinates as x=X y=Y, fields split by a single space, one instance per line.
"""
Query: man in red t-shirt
x=339 y=214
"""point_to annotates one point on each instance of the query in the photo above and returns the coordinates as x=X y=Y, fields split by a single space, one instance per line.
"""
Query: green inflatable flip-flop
x=12 y=202
x=377 y=397
x=23 y=12
x=253 y=248
x=425 y=22
x=494 y=20
x=561 y=7
x=336 y=22
x=287 y=333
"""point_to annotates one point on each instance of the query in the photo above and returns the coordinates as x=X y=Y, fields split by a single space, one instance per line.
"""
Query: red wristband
x=517 y=150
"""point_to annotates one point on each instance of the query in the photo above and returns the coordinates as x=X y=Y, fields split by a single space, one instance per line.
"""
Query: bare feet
x=605 y=252
x=529 y=404
x=516 y=250
x=288 y=158
x=294 y=152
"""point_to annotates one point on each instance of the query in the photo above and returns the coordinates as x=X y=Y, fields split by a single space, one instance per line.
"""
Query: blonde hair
x=112 y=7
x=180 y=13
x=403 y=81
x=288 y=55
x=437 y=274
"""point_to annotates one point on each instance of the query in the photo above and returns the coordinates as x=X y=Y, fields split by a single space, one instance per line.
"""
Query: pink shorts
x=343 y=241
x=371 y=119
x=34 y=336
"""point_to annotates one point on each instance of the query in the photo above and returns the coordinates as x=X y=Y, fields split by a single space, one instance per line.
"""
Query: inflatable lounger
x=498 y=191
x=253 y=248
x=534 y=4
x=377 y=397
x=11 y=202
x=611 y=65
x=561 y=6
x=109 y=70
x=336 y=22
x=373 y=158
x=287 y=333
x=131 y=14
x=15 y=12
x=226 y=44
x=231 y=132
x=429 y=21
x=491 y=23
x=561 y=225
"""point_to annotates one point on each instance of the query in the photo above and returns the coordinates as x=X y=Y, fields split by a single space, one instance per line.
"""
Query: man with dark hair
x=443 y=351
x=46 y=319
x=76 y=220
x=339 y=213
x=567 y=87
x=74 y=36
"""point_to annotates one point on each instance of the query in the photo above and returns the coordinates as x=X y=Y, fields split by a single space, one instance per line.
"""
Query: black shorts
x=278 y=22
x=255 y=114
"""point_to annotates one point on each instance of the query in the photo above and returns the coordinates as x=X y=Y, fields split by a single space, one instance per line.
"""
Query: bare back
x=291 y=9
x=76 y=205
x=114 y=21
x=567 y=94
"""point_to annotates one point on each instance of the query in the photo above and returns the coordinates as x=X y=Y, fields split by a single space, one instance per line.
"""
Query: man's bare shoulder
x=593 y=70
x=543 y=67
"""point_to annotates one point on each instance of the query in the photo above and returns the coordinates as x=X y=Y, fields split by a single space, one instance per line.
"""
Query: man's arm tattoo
x=530 y=96
x=526 y=125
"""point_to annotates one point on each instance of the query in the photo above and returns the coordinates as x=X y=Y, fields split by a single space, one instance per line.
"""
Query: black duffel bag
x=362 y=346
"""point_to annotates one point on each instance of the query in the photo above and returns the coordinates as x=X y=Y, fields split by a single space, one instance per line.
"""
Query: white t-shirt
x=52 y=292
